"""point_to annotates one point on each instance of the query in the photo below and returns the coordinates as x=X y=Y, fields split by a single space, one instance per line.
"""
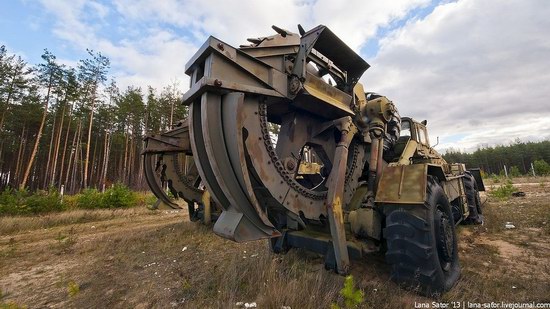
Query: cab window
x=405 y=129
x=422 y=136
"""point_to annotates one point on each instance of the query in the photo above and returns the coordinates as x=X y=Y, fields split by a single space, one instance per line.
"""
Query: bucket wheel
x=258 y=183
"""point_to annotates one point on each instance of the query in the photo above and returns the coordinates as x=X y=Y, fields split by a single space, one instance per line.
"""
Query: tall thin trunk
x=2 y=162
x=87 y=158
x=19 y=156
x=171 y=113
x=5 y=110
x=72 y=156
x=102 y=163
x=140 y=173
x=35 y=148
x=57 y=146
x=82 y=170
x=120 y=166
x=125 y=165
x=94 y=162
x=65 y=150
x=131 y=161
x=105 y=160
x=50 y=150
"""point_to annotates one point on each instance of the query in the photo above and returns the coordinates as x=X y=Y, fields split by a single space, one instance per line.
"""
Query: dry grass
x=18 y=224
x=142 y=259
x=517 y=180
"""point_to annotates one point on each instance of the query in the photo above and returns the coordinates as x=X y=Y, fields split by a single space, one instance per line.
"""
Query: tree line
x=73 y=126
x=517 y=156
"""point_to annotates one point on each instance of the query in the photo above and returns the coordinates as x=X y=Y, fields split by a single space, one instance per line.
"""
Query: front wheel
x=422 y=243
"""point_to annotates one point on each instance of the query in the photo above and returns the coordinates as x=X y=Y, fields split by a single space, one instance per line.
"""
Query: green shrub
x=70 y=201
x=504 y=191
x=119 y=196
x=514 y=171
x=73 y=288
x=44 y=201
x=483 y=174
x=20 y=202
x=8 y=202
x=541 y=167
x=89 y=199
x=352 y=297
x=146 y=198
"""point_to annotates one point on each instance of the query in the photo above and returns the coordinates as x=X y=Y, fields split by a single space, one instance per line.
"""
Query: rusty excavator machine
x=283 y=143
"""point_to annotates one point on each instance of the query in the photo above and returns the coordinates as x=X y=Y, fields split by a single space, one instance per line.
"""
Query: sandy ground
x=157 y=259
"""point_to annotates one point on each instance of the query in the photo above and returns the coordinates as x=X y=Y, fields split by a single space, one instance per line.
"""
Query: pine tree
x=48 y=74
x=92 y=73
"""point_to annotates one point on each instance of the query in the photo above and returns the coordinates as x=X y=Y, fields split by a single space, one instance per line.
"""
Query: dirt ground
x=137 y=258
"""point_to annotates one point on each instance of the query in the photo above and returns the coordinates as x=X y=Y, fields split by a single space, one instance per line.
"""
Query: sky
x=477 y=70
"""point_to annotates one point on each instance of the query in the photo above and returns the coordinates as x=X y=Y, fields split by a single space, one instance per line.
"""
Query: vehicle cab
x=413 y=145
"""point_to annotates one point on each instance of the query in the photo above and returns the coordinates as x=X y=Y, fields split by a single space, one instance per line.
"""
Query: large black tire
x=422 y=243
x=474 y=201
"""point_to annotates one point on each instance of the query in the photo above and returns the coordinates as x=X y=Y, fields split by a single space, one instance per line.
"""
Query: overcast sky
x=478 y=70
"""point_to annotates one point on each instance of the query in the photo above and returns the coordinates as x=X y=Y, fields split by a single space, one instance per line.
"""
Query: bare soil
x=138 y=258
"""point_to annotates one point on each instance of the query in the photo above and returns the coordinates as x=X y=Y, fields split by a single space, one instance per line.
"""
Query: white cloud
x=156 y=59
x=476 y=68
x=149 y=54
x=144 y=57
x=231 y=21
x=357 y=21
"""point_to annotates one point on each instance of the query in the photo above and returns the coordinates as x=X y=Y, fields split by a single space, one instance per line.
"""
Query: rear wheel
x=422 y=243
x=474 y=201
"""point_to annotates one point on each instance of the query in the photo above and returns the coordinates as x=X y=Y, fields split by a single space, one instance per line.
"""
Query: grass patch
x=65 y=242
x=11 y=305
x=16 y=224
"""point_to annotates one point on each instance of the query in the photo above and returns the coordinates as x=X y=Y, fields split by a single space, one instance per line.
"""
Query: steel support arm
x=335 y=195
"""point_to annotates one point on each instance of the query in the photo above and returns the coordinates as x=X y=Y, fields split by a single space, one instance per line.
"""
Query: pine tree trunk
x=171 y=113
x=20 y=155
x=124 y=165
x=93 y=168
x=72 y=158
x=105 y=160
x=57 y=145
x=38 y=136
x=85 y=184
x=62 y=169
x=140 y=164
x=2 y=163
x=81 y=157
x=131 y=161
x=120 y=167
x=50 y=150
